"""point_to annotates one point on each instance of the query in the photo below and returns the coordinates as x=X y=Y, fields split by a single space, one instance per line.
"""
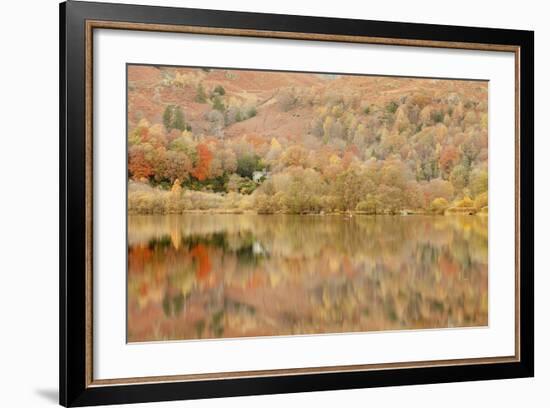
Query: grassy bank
x=144 y=199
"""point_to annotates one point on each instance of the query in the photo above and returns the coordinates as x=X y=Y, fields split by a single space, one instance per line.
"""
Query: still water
x=195 y=276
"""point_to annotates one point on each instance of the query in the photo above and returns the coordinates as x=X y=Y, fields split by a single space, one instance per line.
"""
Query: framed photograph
x=257 y=203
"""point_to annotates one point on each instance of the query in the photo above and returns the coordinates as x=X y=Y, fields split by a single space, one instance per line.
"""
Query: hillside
x=315 y=142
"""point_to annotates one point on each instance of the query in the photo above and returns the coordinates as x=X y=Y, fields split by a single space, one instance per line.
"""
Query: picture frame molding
x=77 y=23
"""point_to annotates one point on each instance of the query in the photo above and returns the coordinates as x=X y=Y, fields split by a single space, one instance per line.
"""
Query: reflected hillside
x=212 y=275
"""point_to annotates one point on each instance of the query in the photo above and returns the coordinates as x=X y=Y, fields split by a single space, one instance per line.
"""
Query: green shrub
x=251 y=112
x=247 y=187
x=219 y=90
x=392 y=107
x=247 y=165
x=217 y=104
x=438 y=116
x=201 y=95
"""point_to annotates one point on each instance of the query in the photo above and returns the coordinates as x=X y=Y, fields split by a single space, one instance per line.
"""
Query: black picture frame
x=74 y=387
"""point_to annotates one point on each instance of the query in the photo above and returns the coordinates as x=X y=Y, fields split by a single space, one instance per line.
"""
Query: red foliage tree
x=447 y=159
x=204 y=158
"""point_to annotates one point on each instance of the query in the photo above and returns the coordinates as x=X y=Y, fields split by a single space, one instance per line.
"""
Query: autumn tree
x=304 y=191
x=178 y=165
x=460 y=177
x=295 y=155
x=479 y=182
x=438 y=188
x=351 y=187
x=216 y=169
x=469 y=154
x=158 y=162
x=229 y=160
x=439 y=205
x=390 y=198
x=140 y=162
x=369 y=205
x=447 y=159
x=201 y=170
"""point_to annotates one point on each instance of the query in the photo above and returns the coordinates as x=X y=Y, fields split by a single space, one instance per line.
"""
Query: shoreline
x=347 y=214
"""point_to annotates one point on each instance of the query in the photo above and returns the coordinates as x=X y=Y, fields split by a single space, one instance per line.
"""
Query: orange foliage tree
x=201 y=171
x=139 y=165
x=448 y=158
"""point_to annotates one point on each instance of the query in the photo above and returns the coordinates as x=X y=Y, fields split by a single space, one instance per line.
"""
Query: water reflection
x=208 y=276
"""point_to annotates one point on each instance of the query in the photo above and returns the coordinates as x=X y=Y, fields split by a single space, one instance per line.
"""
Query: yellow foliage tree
x=439 y=205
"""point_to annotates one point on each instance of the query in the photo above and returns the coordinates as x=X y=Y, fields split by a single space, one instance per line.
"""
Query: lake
x=194 y=276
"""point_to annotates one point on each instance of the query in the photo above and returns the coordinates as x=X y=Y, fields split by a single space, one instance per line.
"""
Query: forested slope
x=219 y=139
